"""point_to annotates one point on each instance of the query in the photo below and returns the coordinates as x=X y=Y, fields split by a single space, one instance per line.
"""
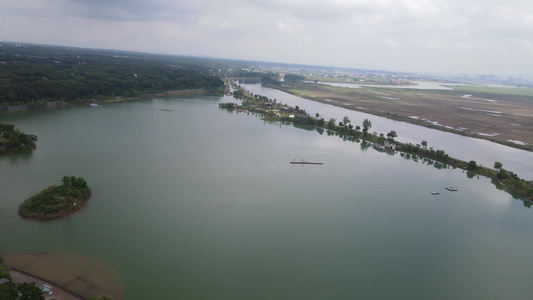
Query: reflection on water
x=203 y=204
x=461 y=147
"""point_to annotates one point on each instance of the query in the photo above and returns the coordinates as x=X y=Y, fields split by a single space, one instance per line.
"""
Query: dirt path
x=83 y=275
x=57 y=293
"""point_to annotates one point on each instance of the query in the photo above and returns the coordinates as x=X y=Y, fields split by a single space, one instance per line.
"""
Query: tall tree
x=346 y=120
x=367 y=124
x=392 y=134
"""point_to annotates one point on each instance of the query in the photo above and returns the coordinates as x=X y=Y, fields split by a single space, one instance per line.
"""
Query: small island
x=57 y=201
x=13 y=141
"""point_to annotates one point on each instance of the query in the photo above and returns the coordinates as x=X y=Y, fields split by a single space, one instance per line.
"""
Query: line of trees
x=502 y=178
x=35 y=81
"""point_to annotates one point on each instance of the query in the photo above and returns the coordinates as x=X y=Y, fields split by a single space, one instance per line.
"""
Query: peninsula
x=271 y=110
x=57 y=201
x=13 y=141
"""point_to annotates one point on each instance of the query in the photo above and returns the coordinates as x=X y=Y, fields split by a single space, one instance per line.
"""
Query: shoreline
x=81 y=275
x=514 y=185
x=57 y=216
x=58 y=293
x=111 y=100
x=417 y=122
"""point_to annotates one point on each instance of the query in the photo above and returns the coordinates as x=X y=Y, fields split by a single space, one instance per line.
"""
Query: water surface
x=201 y=203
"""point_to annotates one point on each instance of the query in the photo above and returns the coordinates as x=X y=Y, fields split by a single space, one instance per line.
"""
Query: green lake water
x=201 y=203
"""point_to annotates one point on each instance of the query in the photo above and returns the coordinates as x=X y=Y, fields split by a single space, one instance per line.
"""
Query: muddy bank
x=81 y=274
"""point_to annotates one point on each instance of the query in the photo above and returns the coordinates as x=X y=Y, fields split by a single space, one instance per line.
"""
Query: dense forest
x=14 y=141
x=33 y=75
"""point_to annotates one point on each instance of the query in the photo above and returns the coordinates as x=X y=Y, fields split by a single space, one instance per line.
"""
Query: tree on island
x=346 y=121
x=57 y=201
x=367 y=124
x=14 y=141
x=392 y=134
x=472 y=165
x=498 y=165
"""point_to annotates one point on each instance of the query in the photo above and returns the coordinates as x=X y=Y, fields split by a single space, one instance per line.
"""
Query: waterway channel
x=194 y=202
x=462 y=147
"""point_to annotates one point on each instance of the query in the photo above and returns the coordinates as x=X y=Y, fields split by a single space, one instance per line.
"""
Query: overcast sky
x=432 y=36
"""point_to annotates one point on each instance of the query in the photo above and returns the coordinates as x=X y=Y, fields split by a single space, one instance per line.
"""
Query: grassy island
x=13 y=141
x=57 y=201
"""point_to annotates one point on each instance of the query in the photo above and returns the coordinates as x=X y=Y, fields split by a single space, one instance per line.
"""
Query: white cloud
x=447 y=36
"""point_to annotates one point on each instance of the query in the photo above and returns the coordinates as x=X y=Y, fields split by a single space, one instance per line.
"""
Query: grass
x=447 y=107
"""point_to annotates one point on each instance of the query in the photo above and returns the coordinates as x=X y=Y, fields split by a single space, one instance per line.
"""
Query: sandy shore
x=83 y=275
x=57 y=292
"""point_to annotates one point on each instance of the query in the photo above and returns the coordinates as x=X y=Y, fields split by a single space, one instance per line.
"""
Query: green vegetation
x=14 y=141
x=101 y=298
x=293 y=78
x=66 y=76
x=21 y=291
x=273 y=111
x=57 y=201
x=526 y=93
x=459 y=110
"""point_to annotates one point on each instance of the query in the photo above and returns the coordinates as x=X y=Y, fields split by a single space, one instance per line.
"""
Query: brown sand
x=84 y=275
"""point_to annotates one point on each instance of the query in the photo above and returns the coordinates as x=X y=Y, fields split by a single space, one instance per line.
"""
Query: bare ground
x=84 y=275
x=489 y=115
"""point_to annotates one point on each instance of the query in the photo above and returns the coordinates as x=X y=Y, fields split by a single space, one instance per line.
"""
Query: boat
x=435 y=193
x=95 y=104
x=451 y=189
x=303 y=162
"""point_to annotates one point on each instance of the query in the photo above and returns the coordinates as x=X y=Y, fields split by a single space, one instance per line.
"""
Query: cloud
x=451 y=36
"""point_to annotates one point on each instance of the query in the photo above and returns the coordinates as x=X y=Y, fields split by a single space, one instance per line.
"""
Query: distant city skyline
x=420 y=36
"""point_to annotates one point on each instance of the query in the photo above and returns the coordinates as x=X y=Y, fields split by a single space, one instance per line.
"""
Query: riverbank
x=109 y=100
x=272 y=111
x=58 y=293
x=483 y=116
x=81 y=275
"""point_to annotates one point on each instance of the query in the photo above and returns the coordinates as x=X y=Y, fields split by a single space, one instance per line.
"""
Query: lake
x=196 y=202
x=465 y=148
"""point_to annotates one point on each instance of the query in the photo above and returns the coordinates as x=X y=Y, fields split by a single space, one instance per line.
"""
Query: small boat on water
x=435 y=193
x=95 y=104
x=451 y=189
x=303 y=162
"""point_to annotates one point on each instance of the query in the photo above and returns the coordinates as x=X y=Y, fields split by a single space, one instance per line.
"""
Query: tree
x=29 y=291
x=498 y=165
x=392 y=134
x=366 y=126
x=425 y=144
x=331 y=123
x=9 y=291
x=472 y=165
x=346 y=120
x=317 y=115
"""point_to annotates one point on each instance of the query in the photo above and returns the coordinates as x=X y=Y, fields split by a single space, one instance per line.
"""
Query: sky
x=424 y=36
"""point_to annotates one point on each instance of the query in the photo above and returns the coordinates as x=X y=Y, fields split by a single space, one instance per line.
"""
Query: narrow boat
x=303 y=162
x=435 y=193
x=451 y=189
x=95 y=104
